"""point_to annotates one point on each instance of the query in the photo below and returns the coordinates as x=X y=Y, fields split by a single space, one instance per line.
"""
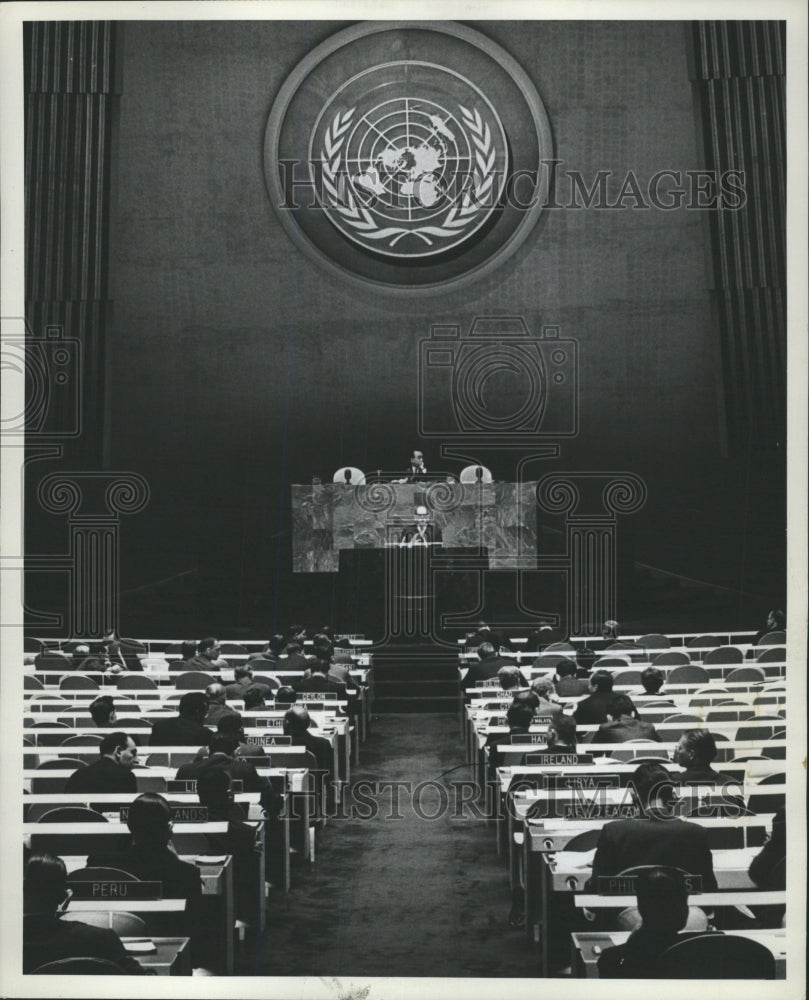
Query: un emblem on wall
x=413 y=175
x=408 y=156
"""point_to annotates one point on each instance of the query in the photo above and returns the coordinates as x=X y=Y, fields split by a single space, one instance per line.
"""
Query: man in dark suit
x=546 y=692
x=102 y=712
x=46 y=938
x=292 y=658
x=567 y=684
x=187 y=729
x=208 y=658
x=423 y=532
x=593 y=710
x=658 y=838
x=485 y=633
x=518 y=719
x=663 y=906
x=623 y=723
x=489 y=663
x=188 y=650
x=222 y=755
x=112 y=772
x=243 y=679
x=215 y=693
x=296 y=724
x=149 y=856
x=562 y=736
x=695 y=753
x=319 y=681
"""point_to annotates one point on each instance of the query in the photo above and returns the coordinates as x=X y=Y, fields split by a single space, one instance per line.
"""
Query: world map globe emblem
x=409 y=174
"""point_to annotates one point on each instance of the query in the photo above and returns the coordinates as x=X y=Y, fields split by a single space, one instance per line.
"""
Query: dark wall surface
x=236 y=367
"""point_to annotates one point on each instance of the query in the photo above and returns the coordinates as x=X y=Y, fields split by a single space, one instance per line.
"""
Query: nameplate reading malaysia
x=178 y=814
x=269 y=740
x=627 y=885
x=190 y=785
x=584 y=781
x=556 y=759
x=108 y=889
x=599 y=810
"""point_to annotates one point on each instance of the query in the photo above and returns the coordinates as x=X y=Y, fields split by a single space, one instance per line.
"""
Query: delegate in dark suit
x=488 y=665
x=624 y=729
x=103 y=775
x=49 y=939
x=180 y=733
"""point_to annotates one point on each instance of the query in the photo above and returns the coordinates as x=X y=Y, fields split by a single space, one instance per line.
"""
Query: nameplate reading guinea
x=269 y=740
x=178 y=814
x=557 y=759
x=627 y=885
x=108 y=889
x=600 y=810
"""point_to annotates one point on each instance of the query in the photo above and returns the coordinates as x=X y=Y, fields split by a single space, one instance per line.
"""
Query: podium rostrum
x=497 y=519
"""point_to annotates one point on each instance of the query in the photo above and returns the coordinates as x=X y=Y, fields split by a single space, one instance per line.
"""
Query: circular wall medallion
x=408 y=155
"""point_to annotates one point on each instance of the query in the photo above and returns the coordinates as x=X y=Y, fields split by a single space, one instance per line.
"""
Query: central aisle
x=406 y=897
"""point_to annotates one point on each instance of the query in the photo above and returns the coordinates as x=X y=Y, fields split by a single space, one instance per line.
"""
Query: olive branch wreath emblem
x=459 y=216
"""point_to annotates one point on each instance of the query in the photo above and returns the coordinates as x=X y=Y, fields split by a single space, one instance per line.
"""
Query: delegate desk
x=217 y=889
x=546 y=837
x=587 y=948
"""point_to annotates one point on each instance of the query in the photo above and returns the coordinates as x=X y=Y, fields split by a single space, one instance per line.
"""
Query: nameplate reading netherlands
x=178 y=814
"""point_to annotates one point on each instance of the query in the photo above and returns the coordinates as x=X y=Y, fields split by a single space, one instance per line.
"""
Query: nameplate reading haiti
x=585 y=781
x=627 y=885
x=557 y=759
x=600 y=810
x=107 y=889
x=178 y=814
x=540 y=737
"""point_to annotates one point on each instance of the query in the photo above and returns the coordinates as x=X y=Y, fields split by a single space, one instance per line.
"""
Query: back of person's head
x=297 y=631
x=528 y=697
x=193 y=706
x=701 y=745
x=519 y=715
x=242 y=671
x=293 y=647
x=113 y=742
x=81 y=651
x=44 y=884
x=318 y=666
x=230 y=724
x=662 y=900
x=297 y=720
x=486 y=651
x=254 y=696
x=276 y=643
x=609 y=629
x=213 y=787
x=102 y=710
x=188 y=650
x=563 y=730
x=565 y=667
x=652 y=680
x=207 y=644
x=601 y=680
x=620 y=705
x=224 y=743
x=509 y=677
x=544 y=687
x=776 y=619
x=285 y=696
x=149 y=820
x=322 y=646
x=653 y=785
x=216 y=693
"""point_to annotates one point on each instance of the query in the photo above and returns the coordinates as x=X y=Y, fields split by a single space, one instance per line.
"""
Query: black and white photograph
x=403 y=499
